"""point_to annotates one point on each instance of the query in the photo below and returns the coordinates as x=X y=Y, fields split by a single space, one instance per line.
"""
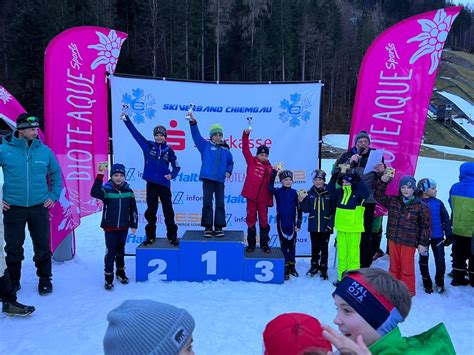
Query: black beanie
x=362 y=134
x=263 y=149
x=117 y=168
x=24 y=121
x=159 y=130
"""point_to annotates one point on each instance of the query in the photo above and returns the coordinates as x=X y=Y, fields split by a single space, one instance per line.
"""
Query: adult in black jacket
x=356 y=158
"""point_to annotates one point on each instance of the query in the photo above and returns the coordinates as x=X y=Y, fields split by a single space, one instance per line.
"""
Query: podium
x=203 y=259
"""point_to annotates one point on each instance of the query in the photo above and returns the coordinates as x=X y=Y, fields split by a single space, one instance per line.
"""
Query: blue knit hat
x=147 y=327
x=425 y=184
x=117 y=168
x=408 y=181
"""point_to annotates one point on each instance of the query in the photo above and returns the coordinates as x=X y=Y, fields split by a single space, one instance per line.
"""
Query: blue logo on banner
x=295 y=110
x=139 y=106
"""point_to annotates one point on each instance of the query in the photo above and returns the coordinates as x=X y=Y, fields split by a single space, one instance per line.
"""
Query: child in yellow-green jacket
x=349 y=221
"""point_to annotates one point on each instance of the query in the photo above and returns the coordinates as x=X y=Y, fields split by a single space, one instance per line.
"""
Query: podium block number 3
x=266 y=271
x=210 y=258
x=160 y=266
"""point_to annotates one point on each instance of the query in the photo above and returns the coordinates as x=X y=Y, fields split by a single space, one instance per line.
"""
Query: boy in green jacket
x=370 y=303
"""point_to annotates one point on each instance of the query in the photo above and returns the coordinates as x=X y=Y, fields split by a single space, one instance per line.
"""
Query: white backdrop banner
x=285 y=118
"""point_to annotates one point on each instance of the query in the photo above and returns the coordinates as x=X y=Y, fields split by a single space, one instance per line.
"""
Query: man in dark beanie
x=357 y=158
x=158 y=157
x=27 y=165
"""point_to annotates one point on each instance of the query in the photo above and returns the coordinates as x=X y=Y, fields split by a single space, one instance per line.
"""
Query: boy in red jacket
x=259 y=198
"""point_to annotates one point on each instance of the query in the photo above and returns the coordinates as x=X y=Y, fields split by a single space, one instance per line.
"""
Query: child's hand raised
x=101 y=167
x=134 y=231
x=247 y=131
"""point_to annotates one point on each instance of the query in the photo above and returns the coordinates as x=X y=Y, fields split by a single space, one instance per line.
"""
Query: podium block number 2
x=210 y=258
x=160 y=266
x=266 y=271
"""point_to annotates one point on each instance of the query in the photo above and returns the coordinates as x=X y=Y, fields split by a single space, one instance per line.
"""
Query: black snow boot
x=313 y=270
x=251 y=239
x=439 y=284
x=293 y=271
x=428 y=284
x=120 y=274
x=265 y=239
x=17 y=309
x=287 y=271
x=109 y=281
x=323 y=272
x=208 y=232
x=459 y=278
x=219 y=232
x=45 y=287
x=174 y=241
x=149 y=241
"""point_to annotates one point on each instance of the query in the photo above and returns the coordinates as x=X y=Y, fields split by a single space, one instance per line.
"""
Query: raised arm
x=380 y=195
x=97 y=191
x=271 y=183
x=199 y=141
x=246 y=147
x=135 y=134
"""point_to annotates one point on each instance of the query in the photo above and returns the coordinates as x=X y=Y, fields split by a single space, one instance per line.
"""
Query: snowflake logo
x=295 y=110
x=5 y=96
x=432 y=38
x=139 y=106
x=109 y=50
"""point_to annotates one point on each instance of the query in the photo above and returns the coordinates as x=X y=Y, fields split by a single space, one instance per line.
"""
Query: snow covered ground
x=230 y=316
x=340 y=141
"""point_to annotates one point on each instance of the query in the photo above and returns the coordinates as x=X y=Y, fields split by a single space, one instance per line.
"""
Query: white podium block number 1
x=210 y=258
x=266 y=271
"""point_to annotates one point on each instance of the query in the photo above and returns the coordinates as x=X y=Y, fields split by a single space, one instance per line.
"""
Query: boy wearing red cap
x=259 y=198
x=294 y=334
x=370 y=304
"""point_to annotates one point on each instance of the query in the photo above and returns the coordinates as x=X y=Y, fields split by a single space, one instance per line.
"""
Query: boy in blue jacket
x=440 y=227
x=289 y=217
x=158 y=157
x=119 y=214
x=321 y=207
x=217 y=165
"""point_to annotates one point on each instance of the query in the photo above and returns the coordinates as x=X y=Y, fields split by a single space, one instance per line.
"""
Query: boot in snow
x=313 y=270
x=323 y=274
x=287 y=271
x=439 y=280
x=293 y=271
x=109 y=281
x=45 y=287
x=428 y=285
x=120 y=274
x=17 y=309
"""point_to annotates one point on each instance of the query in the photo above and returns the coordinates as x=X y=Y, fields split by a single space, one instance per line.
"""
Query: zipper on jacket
x=120 y=208
x=27 y=174
x=319 y=212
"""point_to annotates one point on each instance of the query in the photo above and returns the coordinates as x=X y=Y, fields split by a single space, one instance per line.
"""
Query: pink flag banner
x=395 y=84
x=63 y=216
x=76 y=105
x=10 y=108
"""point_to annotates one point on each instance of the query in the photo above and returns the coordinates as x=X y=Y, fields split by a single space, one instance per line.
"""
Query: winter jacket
x=120 y=207
x=349 y=215
x=257 y=177
x=287 y=205
x=216 y=158
x=158 y=158
x=26 y=168
x=321 y=207
x=440 y=221
x=370 y=178
x=461 y=200
x=3 y=265
x=434 y=341
x=408 y=224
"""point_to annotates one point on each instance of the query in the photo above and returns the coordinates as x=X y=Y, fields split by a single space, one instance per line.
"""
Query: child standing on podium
x=259 y=198
x=217 y=165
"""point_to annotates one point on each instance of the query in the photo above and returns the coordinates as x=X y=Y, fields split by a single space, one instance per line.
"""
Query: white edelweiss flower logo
x=109 y=50
x=432 y=38
x=5 y=96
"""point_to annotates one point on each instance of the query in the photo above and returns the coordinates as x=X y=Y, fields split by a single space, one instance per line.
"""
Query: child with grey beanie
x=149 y=327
